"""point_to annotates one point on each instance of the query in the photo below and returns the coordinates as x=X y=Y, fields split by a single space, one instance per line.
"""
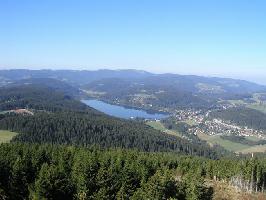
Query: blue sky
x=207 y=37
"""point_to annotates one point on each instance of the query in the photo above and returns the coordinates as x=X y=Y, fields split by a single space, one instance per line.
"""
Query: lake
x=122 y=112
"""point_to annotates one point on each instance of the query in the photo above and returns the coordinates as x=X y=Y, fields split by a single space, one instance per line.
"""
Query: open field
x=233 y=146
x=257 y=106
x=253 y=138
x=159 y=126
x=156 y=125
x=190 y=122
x=6 y=136
x=229 y=145
x=236 y=102
x=253 y=149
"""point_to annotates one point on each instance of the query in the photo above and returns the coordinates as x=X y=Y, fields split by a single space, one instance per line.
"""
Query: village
x=200 y=122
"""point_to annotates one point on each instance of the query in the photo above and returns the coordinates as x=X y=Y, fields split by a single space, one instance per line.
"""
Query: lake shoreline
x=149 y=111
x=121 y=111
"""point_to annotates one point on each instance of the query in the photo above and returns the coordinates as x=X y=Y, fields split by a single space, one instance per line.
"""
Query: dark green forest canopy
x=67 y=172
x=88 y=129
x=37 y=98
x=49 y=83
x=242 y=116
x=71 y=122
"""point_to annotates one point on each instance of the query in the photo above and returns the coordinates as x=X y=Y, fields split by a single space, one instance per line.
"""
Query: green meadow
x=6 y=136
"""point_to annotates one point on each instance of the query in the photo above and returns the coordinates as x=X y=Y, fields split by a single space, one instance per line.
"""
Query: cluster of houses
x=214 y=126
x=189 y=114
x=20 y=111
x=220 y=127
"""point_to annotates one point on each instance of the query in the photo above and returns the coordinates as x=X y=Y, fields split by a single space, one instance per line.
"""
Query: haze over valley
x=214 y=118
x=216 y=110
x=133 y=100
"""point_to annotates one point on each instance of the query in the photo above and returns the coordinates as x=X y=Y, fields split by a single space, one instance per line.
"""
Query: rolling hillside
x=59 y=119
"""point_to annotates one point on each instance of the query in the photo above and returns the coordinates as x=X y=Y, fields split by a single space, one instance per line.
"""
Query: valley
x=213 y=98
x=185 y=140
x=133 y=100
x=212 y=129
x=206 y=129
x=200 y=102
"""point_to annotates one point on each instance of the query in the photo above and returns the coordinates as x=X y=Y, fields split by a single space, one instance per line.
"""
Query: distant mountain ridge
x=86 y=76
x=77 y=77
x=189 y=84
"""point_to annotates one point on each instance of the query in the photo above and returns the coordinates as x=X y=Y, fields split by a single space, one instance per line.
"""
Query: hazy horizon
x=207 y=38
x=258 y=81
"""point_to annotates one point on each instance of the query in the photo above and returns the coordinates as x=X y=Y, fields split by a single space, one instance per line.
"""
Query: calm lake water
x=122 y=112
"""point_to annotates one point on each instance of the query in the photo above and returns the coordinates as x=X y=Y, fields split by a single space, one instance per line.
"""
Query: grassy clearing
x=237 y=102
x=190 y=122
x=159 y=126
x=253 y=149
x=6 y=136
x=257 y=106
x=229 y=145
x=233 y=146
x=253 y=138
x=156 y=125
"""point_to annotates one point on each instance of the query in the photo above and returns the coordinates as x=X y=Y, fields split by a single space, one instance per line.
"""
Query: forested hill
x=141 y=93
x=38 y=98
x=50 y=83
x=85 y=130
x=70 y=122
x=242 y=116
